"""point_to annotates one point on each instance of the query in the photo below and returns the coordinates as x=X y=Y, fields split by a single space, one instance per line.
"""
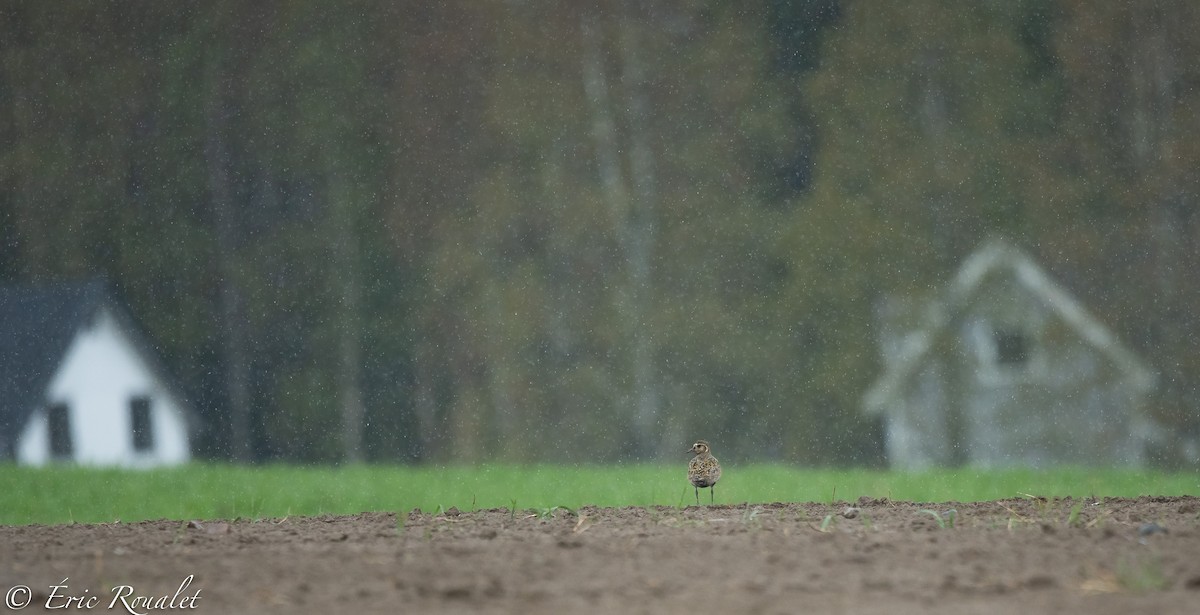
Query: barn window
x=59 y=418
x=1012 y=348
x=139 y=420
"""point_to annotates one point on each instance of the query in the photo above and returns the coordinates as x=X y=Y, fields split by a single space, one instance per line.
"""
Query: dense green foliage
x=64 y=495
x=534 y=231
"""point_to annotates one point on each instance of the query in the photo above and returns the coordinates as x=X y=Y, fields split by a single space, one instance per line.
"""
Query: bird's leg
x=712 y=498
x=697 y=495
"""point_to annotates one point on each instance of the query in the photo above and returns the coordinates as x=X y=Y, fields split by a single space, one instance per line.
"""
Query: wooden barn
x=79 y=383
x=1005 y=368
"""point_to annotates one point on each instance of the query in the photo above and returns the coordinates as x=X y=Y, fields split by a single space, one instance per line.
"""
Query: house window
x=1012 y=348
x=59 y=418
x=139 y=420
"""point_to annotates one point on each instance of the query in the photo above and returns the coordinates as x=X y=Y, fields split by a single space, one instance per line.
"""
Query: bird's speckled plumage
x=703 y=469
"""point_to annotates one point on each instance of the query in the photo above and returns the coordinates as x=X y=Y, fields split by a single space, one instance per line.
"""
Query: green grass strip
x=209 y=491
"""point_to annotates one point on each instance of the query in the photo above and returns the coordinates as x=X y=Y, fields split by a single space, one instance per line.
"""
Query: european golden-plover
x=703 y=470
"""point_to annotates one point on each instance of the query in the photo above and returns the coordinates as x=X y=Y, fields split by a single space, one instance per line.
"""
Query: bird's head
x=699 y=448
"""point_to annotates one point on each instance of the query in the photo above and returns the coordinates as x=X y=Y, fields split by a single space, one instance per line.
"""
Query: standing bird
x=703 y=470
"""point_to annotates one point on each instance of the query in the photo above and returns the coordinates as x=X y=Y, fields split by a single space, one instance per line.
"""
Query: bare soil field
x=1028 y=555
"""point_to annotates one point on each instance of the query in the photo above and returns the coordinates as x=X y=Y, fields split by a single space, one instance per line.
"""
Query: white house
x=1005 y=368
x=80 y=384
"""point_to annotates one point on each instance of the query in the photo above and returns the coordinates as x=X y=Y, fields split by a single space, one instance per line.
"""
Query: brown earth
x=1012 y=556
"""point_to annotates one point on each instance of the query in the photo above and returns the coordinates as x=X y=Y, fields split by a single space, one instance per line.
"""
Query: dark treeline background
x=531 y=230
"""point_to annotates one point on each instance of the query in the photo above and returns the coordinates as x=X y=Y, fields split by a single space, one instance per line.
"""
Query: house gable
x=101 y=380
x=1004 y=368
x=940 y=317
x=94 y=364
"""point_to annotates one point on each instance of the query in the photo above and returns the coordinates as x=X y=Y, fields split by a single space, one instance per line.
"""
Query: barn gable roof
x=37 y=325
x=994 y=257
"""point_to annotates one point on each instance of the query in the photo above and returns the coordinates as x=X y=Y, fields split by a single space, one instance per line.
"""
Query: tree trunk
x=234 y=329
x=643 y=230
x=1154 y=73
x=425 y=408
x=633 y=220
x=345 y=250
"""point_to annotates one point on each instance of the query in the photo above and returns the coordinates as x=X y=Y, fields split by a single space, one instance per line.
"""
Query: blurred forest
x=525 y=230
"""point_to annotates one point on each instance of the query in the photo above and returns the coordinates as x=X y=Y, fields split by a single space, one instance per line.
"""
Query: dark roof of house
x=37 y=325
